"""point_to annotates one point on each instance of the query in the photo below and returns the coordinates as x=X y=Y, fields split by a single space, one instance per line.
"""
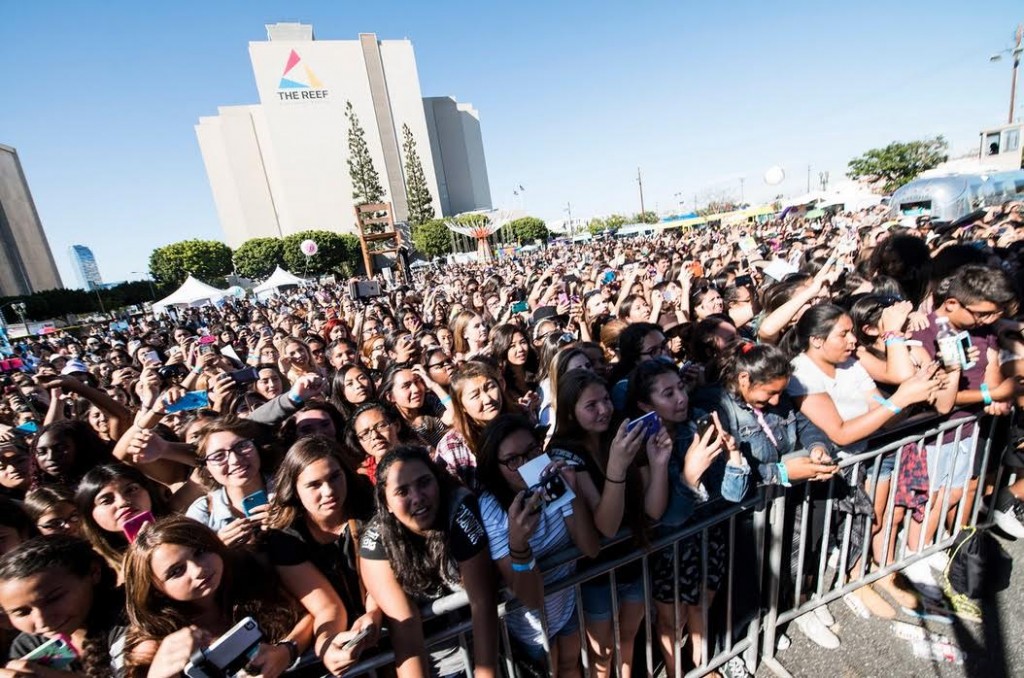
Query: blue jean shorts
x=950 y=460
x=597 y=601
x=536 y=652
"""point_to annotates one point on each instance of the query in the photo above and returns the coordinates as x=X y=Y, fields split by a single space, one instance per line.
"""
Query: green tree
x=207 y=260
x=421 y=203
x=432 y=238
x=899 y=162
x=596 y=226
x=366 y=186
x=258 y=257
x=647 y=217
x=336 y=252
x=528 y=229
x=615 y=222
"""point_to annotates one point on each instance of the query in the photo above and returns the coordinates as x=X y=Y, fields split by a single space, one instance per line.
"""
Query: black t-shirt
x=336 y=560
x=466 y=535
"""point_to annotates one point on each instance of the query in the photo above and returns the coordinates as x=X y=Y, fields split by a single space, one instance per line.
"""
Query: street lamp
x=1015 y=53
x=19 y=308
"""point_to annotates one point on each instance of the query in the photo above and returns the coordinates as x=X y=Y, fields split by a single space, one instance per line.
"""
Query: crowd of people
x=328 y=465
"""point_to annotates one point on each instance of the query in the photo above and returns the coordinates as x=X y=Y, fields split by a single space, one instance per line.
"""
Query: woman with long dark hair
x=426 y=541
x=373 y=430
x=64 y=451
x=351 y=386
x=516 y=358
x=58 y=587
x=405 y=388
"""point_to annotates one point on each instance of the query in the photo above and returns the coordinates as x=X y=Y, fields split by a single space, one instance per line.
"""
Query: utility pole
x=742 y=179
x=1017 y=48
x=640 y=183
x=572 y=229
x=808 y=178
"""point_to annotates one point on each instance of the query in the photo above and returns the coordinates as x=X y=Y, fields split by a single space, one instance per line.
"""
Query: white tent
x=278 y=279
x=191 y=293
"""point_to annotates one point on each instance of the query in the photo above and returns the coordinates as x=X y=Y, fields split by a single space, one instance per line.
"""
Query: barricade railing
x=818 y=571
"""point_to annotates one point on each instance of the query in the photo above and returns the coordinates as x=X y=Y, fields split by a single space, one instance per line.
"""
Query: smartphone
x=703 y=425
x=696 y=269
x=267 y=332
x=134 y=525
x=358 y=638
x=744 y=281
x=172 y=372
x=608 y=277
x=193 y=400
x=206 y=348
x=246 y=376
x=149 y=357
x=965 y=345
x=28 y=428
x=55 y=653
x=650 y=422
x=254 y=501
x=520 y=307
x=207 y=339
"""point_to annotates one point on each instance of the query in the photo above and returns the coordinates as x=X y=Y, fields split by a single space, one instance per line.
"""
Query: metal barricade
x=854 y=550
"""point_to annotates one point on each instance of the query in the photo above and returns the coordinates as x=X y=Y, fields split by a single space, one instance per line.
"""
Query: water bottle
x=949 y=344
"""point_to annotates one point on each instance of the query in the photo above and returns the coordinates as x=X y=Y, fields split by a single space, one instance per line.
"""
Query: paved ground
x=993 y=649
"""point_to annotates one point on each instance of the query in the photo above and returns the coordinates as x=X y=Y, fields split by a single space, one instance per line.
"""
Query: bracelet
x=617 y=482
x=886 y=336
x=895 y=341
x=516 y=552
x=197 y=370
x=293 y=651
x=783 y=475
x=524 y=567
x=888 y=404
x=986 y=395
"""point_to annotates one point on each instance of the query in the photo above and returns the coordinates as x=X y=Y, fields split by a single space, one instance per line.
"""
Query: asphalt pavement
x=871 y=647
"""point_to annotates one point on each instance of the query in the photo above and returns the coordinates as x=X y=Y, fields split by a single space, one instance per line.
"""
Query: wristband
x=888 y=404
x=783 y=475
x=524 y=567
x=895 y=341
x=197 y=370
x=891 y=335
x=293 y=651
x=986 y=395
x=295 y=398
x=445 y=400
x=616 y=482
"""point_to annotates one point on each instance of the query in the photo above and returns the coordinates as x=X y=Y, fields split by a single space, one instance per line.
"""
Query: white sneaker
x=856 y=606
x=938 y=561
x=782 y=642
x=920 y=576
x=824 y=616
x=816 y=632
x=833 y=559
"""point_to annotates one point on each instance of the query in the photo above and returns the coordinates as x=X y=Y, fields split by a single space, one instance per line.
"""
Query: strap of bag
x=353 y=530
x=949 y=564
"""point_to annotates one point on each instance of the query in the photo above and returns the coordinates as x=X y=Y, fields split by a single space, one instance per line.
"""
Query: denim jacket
x=739 y=419
x=720 y=480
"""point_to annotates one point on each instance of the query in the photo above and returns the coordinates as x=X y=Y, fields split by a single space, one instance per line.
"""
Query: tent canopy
x=191 y=293
x=278 y=279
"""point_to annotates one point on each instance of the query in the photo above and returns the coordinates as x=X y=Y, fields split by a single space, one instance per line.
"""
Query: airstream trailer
x=951 y=197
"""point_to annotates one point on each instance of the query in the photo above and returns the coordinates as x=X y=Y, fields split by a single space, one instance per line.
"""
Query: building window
x=1011 y=140
x=992 y=143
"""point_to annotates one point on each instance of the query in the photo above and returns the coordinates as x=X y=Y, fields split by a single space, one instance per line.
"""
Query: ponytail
x=762 y=362
x=817 y=321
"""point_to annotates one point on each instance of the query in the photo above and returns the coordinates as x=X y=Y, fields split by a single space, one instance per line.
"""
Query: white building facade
x=84 y=263
x=280 y=166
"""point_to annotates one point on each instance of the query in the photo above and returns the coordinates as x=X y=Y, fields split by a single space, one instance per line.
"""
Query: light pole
x=1015 y=53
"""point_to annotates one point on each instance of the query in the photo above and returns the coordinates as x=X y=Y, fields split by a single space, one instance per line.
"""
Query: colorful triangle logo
x=295 y=78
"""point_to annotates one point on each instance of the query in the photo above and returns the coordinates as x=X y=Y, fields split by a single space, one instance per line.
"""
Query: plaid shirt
x=454 y=452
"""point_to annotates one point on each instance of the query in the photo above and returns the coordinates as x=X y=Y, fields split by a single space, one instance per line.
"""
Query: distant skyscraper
x=279 y=167
x=26 y=262
x=85 y=267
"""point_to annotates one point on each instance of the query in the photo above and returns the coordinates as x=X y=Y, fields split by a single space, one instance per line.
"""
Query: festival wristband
x=986 y=395
x=783 y=475
x=524 y=567
x=895 y=341
x=295 y=398
x=888 y=404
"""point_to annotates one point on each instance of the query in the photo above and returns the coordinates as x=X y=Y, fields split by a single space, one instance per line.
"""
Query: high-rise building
x=85 y=267
x=26 y=262
x=280 y=166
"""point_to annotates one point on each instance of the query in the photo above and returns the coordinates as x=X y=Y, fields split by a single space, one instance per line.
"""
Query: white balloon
x=774 y=176
x=308 y=247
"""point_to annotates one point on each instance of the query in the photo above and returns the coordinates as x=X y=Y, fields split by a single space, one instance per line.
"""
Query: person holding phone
x=521 y=531
x=108 y=497
x=232 y=460
x=620 y=486
x=185 y=588
x=57 y=589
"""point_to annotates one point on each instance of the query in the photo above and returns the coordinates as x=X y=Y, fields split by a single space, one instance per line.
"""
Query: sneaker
x=921 y=578
x=875 y=604
x=890 y=584
x=782 y=642
x=857 y=607
x=961 y=605
x=1009 y=514
x=824 y=616
x=734 y=668
x=816 y=632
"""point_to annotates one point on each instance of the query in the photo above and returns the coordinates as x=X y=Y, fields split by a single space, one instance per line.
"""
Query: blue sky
x=101 y=98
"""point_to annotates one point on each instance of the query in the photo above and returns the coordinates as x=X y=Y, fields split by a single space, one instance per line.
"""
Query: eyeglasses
x=655 y=351
x=242 y=449
x=443 y=363
x=983 y=316
x=516 y=461
x=378 y=430
x=57 y=524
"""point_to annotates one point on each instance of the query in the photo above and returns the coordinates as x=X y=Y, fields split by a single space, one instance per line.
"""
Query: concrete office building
x=280 y=166
x=26 y=263
x=457 y=147
x=84 y=263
